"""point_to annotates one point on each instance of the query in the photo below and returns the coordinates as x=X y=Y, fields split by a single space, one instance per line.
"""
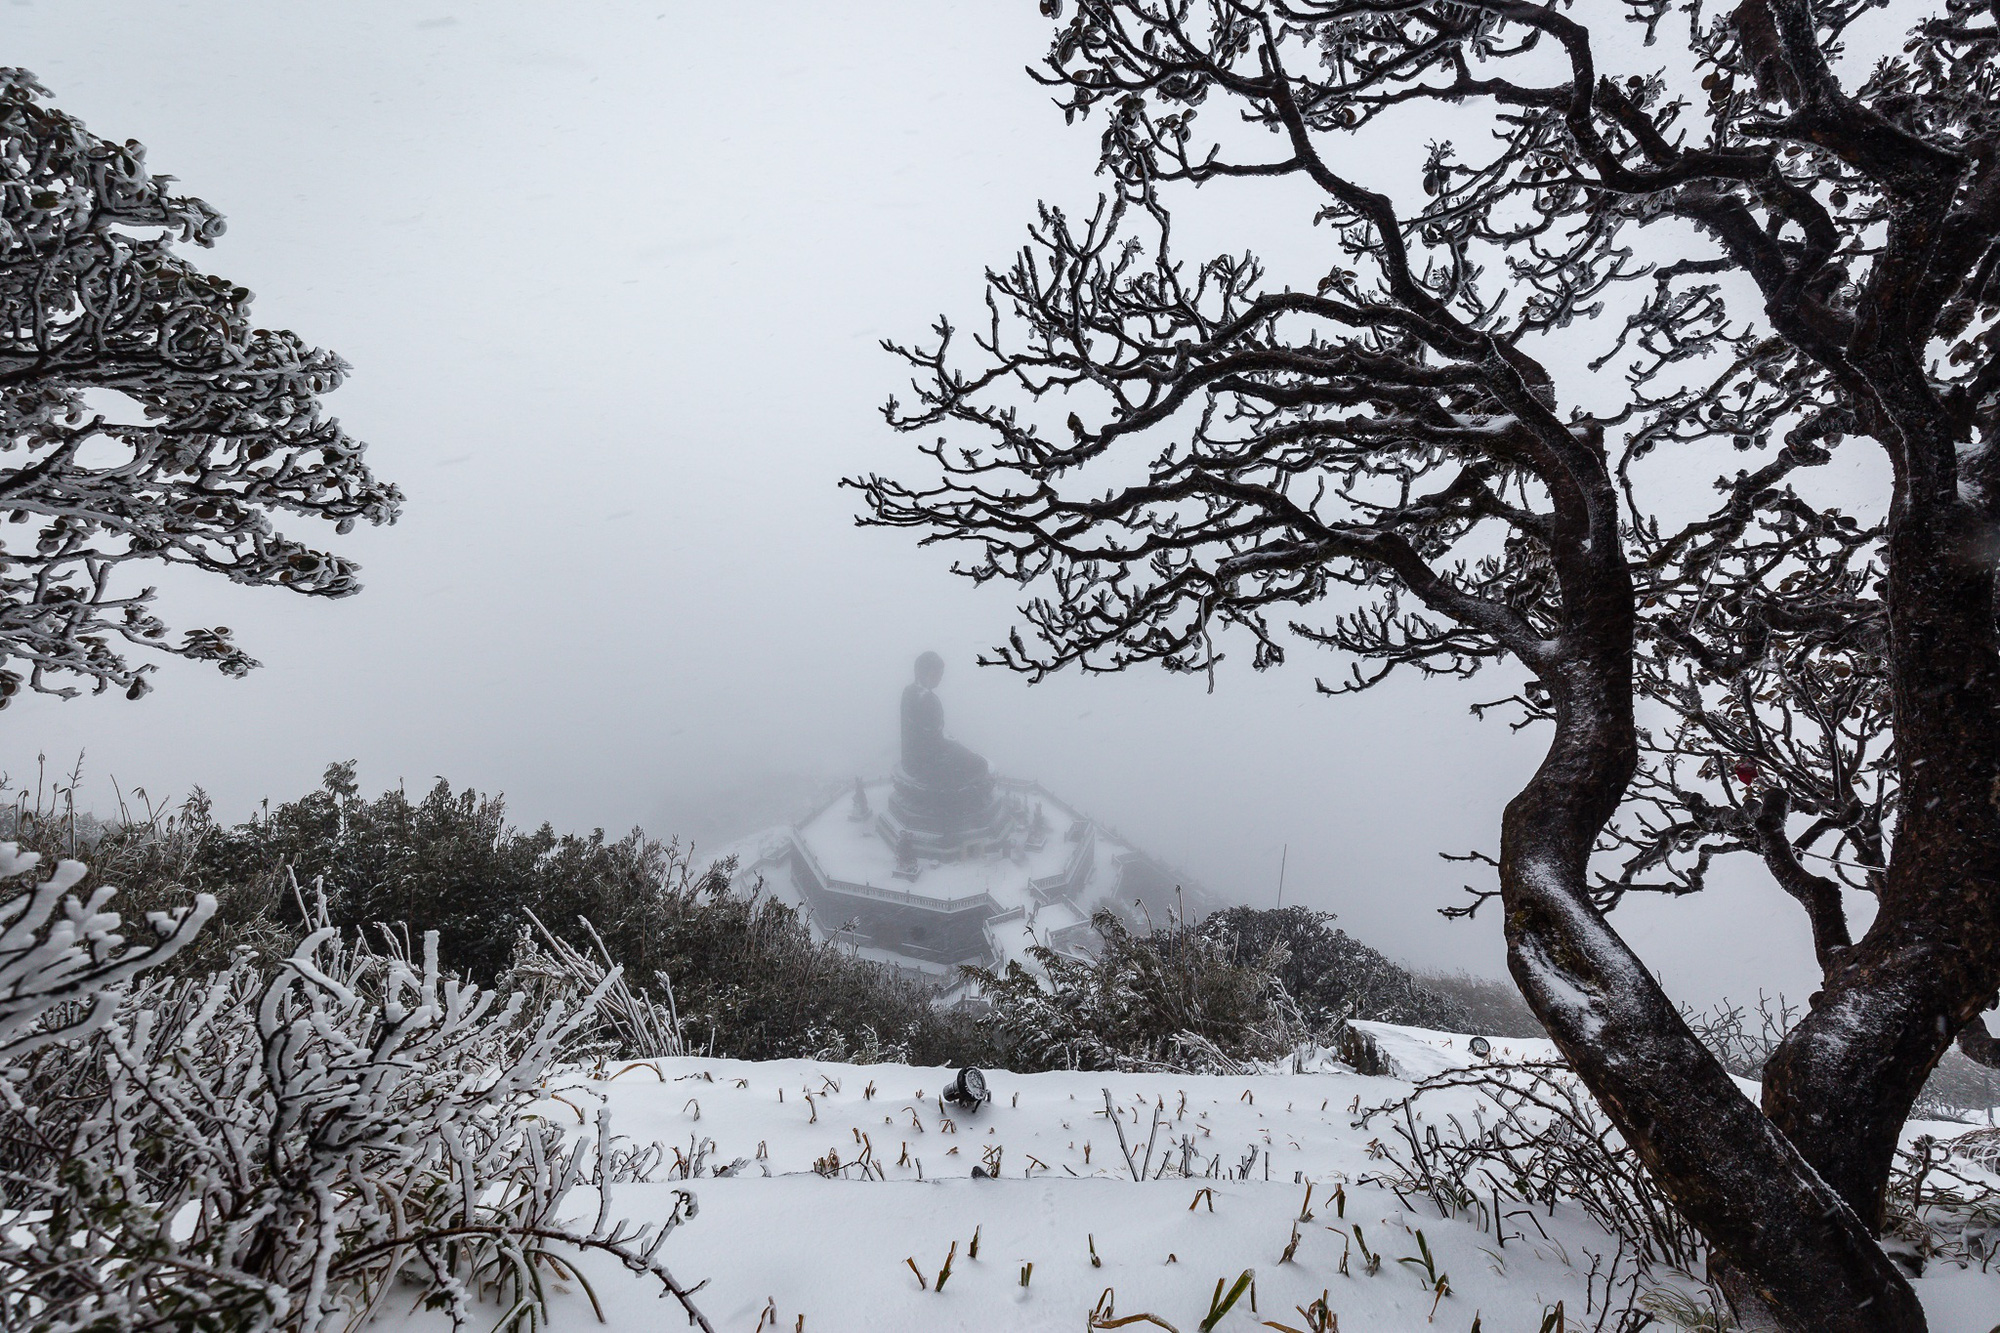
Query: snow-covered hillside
x=855 y=1188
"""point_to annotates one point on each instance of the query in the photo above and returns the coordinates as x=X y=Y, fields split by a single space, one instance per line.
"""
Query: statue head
x=930 y=670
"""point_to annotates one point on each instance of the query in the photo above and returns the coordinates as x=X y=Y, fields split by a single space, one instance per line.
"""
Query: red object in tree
x=1746 y=772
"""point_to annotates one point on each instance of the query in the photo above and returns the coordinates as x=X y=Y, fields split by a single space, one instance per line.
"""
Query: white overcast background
x=611 y=278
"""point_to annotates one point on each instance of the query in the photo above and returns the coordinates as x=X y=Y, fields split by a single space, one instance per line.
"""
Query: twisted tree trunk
x=1791 y=1253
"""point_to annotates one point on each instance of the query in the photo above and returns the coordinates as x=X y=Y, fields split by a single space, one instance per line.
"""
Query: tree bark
x=1842 y=1084
x=1791 y=1253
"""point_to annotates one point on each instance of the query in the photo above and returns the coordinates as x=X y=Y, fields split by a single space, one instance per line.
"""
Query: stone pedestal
x=946 y=823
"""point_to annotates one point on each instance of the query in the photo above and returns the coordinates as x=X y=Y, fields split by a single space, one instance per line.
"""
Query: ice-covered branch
x=145 y=417
x=64 y=960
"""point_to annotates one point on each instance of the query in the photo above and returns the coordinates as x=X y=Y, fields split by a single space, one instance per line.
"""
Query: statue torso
x=923 y=730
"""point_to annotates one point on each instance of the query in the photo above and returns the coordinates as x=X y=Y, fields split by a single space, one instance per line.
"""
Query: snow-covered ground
x=775 y=1240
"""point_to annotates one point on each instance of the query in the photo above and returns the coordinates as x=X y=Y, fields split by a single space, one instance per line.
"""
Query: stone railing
x=1064 y=886
x=908 y=899
x=1082 y=935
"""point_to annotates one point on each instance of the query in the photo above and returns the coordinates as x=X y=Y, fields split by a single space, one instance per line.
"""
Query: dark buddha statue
x=928 y=755
x=942 y=788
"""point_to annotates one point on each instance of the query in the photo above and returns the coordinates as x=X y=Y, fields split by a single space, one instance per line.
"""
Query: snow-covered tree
x=1472 y=433
x=146 y=417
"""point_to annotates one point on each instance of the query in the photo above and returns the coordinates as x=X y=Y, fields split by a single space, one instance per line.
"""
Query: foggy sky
x=611 y=278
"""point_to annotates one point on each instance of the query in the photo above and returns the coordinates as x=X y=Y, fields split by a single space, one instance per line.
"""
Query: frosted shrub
x=1536 y=1139
x=60 y=973
x=1170 y=998
x=1329 y=974
x=556 y=970
x=283 y=1150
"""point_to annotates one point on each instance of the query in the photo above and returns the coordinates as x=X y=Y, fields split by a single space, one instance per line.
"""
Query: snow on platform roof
x=1037 y=886
x=852 y=851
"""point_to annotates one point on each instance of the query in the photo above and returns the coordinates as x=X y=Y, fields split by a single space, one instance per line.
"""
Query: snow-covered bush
x=1944 y=1202
x=255 y=1150
x=1242 y=986
x=630 y=1021
x=1171 y=997
x=1536 y=1140
x=161 y=858
x=1333 y=976
x=62 y=958
x=1745 y=1039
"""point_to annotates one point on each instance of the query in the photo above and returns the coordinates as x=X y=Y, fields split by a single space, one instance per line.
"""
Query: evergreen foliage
x=747 y=977
x=1331 y=975
x=1493 y=1007
x=1242 y=985
x=742 y=972
x=1168 y=997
